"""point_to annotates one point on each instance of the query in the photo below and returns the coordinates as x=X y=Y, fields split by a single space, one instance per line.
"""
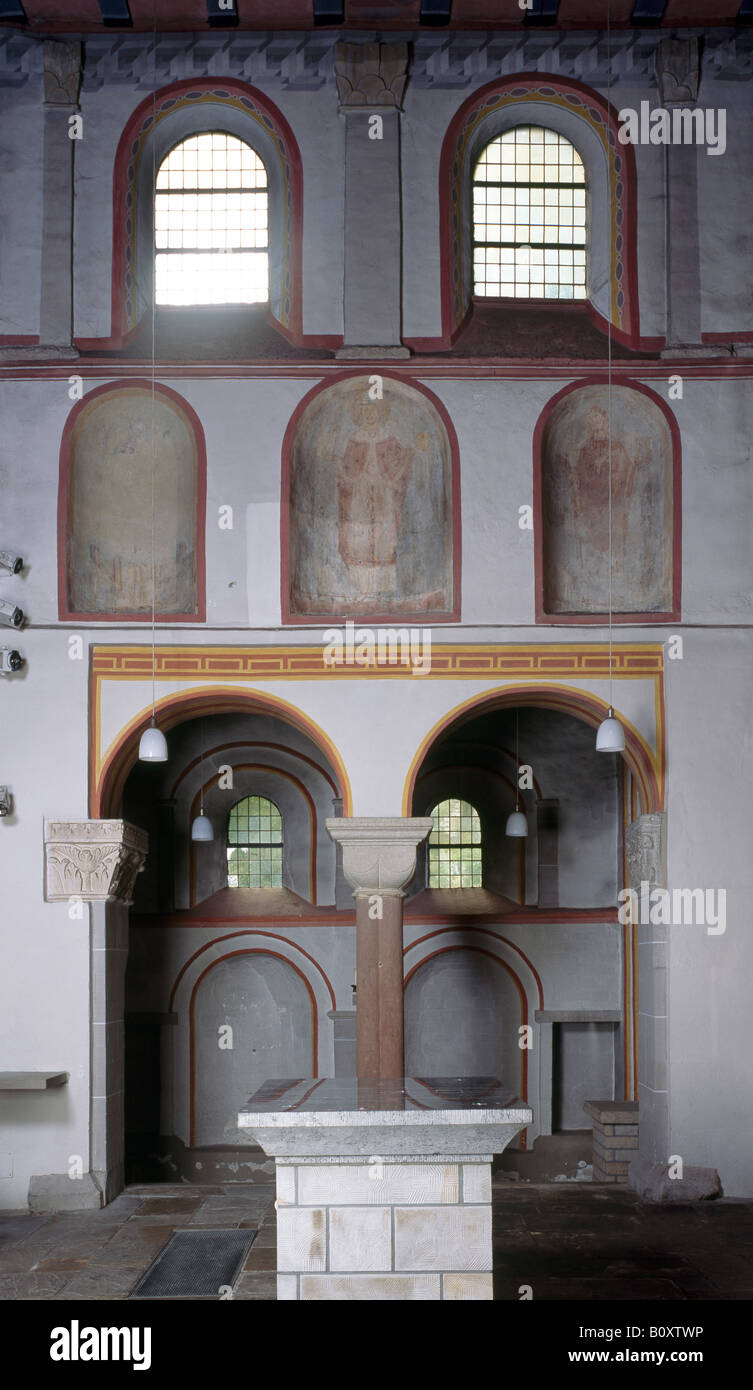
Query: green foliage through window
x=254 y=844
x=455 y=846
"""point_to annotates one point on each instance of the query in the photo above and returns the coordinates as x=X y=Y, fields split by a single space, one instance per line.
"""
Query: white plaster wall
x=708 y=825
x=726 y=238
x=21 y=136
x=44 y=956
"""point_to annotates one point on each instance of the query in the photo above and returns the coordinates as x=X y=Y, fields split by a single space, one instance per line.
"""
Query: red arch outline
x=582 y=619
x=444 y=950
x=140 y=122
x=404 y=619
x=525 y=83
x=248 y=951
x=66 y=614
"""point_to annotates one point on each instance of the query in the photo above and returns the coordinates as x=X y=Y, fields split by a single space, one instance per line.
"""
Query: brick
x=301 y=1239
x=377 y=1184
x=360 y=1239
x=467 y=1286
x=365 y=1287
x=477 y=1182
x=437 y=1237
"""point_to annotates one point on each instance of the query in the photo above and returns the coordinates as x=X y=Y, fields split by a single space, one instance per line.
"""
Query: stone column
x=371 y=79
x=97 y=862
x=645 y=843
x=677 y=71
x=379 y=859
x=62 y=82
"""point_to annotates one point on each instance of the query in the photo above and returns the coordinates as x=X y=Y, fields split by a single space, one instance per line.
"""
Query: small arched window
x=254 y=844
x=211 y=217
x=529 y=217
x=455 y=846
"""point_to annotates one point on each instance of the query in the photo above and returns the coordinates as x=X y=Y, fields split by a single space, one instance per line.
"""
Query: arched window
x=529 y=217
x=254 y=844
x=455 y=846
x=211 y=219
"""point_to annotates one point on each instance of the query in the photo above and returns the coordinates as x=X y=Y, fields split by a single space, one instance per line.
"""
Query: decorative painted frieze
x=94 y=860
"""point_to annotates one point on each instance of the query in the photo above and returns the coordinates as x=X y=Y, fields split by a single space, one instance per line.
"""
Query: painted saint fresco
x=575 y=467
x=109 y=535
x=370 y=504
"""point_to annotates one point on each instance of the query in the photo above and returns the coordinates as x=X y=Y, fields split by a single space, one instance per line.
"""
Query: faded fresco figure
x=575 y=470
x=372 y=479
x=370 y=505
x=109 y=541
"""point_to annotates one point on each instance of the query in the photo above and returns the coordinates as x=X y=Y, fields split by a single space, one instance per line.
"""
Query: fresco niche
x=371 y=505
x=575 y=504
x=108 y=566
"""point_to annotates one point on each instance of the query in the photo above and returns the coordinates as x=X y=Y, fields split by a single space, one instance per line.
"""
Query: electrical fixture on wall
x=10 y=661
x=202 y=826
x=153 y=744
x=10 y=562
x=10 y=614
x=610 y=735
x=517 y=824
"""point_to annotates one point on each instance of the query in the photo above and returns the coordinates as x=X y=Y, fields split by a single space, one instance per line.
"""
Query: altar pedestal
x=384 y=1187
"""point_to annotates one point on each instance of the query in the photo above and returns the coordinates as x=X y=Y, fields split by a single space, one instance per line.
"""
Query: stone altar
x=384 y=1186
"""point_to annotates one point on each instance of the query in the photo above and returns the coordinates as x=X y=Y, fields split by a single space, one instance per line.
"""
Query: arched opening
x=549 y=898
x=204 y=1016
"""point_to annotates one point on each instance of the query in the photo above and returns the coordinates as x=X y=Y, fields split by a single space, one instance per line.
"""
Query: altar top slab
x=350 y=1093
x=408 y=1115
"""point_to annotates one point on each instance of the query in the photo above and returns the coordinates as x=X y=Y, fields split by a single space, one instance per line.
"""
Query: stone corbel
x=678 y=71
x=379 y=852
x=62 y=73
x=371 y=75
x=95 y=860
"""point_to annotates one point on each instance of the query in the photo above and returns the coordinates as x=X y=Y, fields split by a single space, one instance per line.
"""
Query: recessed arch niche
x=105 y=506
x=574 y=451
x=371 y=504
x=270 y=1009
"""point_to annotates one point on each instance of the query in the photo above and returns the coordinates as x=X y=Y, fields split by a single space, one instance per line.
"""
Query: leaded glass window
x=529 y=217
x=254 y=844
x=211 y=215
x=455 y=846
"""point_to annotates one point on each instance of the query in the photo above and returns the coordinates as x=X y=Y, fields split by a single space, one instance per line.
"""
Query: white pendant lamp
x=202 y=828
x=153 y=744
x=517 y=824
x=610 y=735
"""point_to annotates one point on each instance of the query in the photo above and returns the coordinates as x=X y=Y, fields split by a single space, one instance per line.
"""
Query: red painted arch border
x=504 y=965
x=136 y=128
x=404 y=619
x=246 y=951
x=582 y=619
x=118 y=386
x=524 y=85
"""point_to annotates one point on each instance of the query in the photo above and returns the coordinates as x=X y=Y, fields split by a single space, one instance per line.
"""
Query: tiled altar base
x=406 y=1230
x=565 y=1240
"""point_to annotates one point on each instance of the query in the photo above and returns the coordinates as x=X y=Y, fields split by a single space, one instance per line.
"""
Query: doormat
x=196 y=1264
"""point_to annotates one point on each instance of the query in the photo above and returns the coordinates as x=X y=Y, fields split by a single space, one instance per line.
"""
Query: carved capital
x=62 y=73
x=678 y=71
x=645 y=851
x=371 y=74
x=95 y=860
x=379 y=852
